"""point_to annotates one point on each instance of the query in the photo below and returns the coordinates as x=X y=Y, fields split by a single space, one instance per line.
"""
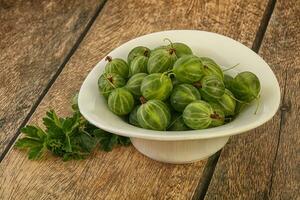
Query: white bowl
x=185 y=146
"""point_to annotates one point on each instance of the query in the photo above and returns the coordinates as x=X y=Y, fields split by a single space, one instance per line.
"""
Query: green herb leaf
x=26 y=142
x=33 y=132
x=108 y=140
x=71 y=138
x=86 y=142
x=34 y=142
x=36 y=152
x=68 y=147
x=125 y=141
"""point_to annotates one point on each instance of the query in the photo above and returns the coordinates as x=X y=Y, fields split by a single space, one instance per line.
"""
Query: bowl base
x=179 y=152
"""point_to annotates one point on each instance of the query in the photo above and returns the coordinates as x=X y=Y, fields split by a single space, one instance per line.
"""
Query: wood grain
x=264 y=163
x=282 y=40
x=35 y=38
x=122 y=173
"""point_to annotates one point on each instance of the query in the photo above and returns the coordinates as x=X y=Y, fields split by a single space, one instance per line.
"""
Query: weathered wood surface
x=122 y=173
x=264 y=163
x=35 y=38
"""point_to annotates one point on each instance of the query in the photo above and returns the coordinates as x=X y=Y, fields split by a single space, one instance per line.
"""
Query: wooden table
x=48 y=47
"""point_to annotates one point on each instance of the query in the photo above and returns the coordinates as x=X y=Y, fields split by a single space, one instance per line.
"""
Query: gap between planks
x=60 y=69
x=283 y=111
x=209 y=169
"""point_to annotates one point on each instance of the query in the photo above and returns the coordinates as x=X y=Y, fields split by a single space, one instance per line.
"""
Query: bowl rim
x=179 y=135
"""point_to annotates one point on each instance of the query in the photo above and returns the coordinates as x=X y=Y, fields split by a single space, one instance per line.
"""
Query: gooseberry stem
x=174 y=121
x=164 y=73
x=237 y=99
x=172 y=50
x=108 y=58
x=146 y=53
x=171 y=70
x=110 y=80
x=257 y=104
x=228 y=119
x=215 y=116
x=143 y=100
x=168 y=40
x=230 y=68
x=197 y=85
x=170 y=74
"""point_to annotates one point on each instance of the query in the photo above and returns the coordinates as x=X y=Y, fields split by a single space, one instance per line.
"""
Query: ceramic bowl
x=194 y=145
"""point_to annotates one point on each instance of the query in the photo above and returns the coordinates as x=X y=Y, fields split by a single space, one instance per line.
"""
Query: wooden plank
x=264 y=163
x=36 y=37
x=122 y=173
x=285 y=30
x=285 y=180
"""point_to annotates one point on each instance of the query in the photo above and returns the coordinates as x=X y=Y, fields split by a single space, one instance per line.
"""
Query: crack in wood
x=263 y=25
x=286 y=107
x=282 y=122
x=206 y=176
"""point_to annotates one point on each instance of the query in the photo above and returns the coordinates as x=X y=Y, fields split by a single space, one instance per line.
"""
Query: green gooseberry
x=211 y=87
x=227 y=103
x=138 y=51
x=181 y=49
x=177 y=123
x=154 y=114
x=108 y=82
x=161 y=61
x=218 y=116
x=182 y=95
x=212 y=68
x=228 y=81
x=134 y=83
x=246 y=86
x=188 y=69
x=197 y=115
x=117 y=65
x=120 y=101
x=133 y=116
x=156 y=86
x=138 y=65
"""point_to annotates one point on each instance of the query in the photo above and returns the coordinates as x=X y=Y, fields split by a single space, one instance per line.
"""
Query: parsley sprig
x=71 y=138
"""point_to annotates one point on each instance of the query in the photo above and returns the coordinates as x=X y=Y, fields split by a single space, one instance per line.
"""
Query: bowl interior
x=227 y=52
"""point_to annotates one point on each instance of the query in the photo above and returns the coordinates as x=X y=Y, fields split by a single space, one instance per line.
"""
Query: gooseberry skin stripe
x=146 y=122
x=156 y=86
x=197 y=115
x=164 y=117
x=154 y=115
x=162 y=111
x=138 y=65
x=148 y=109
x=182 y=95
x=120 y=101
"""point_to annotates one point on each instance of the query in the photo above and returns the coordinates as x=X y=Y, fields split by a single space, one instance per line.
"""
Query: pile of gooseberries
x=170 y=88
